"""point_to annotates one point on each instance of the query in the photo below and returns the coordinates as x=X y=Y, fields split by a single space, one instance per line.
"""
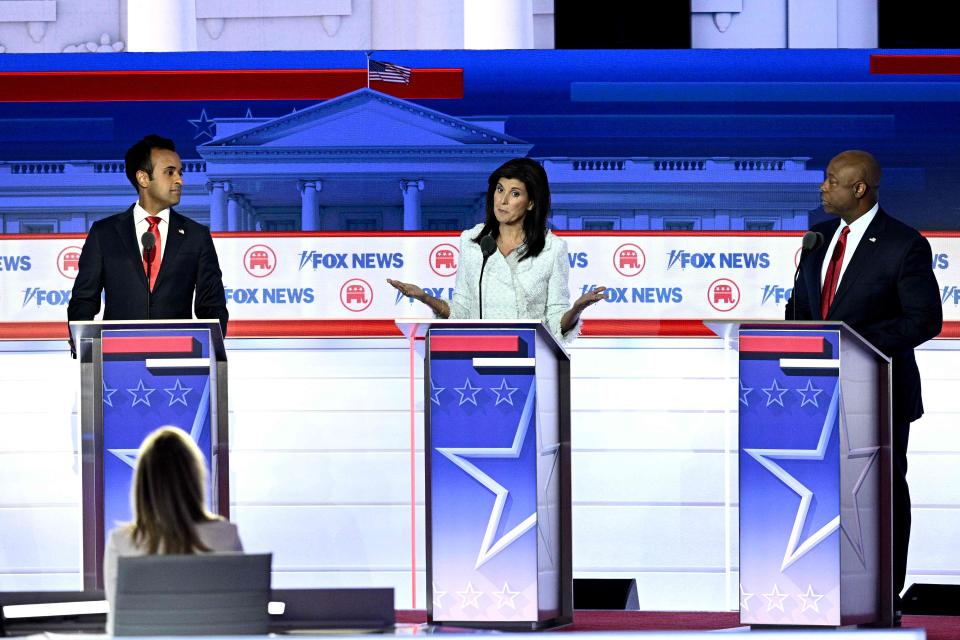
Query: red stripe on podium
x=222 y=84
x=474 y=344
x=782 y=344
x=925 y=64
x=168 y=345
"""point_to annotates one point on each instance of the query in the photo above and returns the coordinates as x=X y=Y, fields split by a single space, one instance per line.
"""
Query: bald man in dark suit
x=886 y=291
x=183 y=268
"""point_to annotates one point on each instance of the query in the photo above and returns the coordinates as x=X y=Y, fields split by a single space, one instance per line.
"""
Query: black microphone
x=149 y=246
x=487 y=246
x=811 y=242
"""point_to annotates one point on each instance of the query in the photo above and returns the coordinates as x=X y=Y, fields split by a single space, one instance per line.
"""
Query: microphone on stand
x=149 y=246
x=487 y=246
x=811 y=242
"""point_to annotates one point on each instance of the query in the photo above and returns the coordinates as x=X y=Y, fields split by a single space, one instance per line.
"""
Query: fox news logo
x=578 y=260
x=639 y=295
x=45 y=297
x=276 y=295
x=775 y=294
x=438 y=292
x=941 y=261
x=14 y=263
x=319 y=260
x=950 y=294
x=730 y=260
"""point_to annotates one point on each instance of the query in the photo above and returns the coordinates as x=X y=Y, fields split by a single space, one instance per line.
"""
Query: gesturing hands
x=589 y=298
x=409 y=290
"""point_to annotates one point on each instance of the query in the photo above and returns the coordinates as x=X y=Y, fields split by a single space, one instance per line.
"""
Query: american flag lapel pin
x=873 y=239
x=180 y=231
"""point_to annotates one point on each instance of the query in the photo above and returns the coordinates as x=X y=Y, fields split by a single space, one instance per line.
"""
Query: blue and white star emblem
x=204 y=126
x=504 y=393
x=108 y=394
x=774 y=390
x=795 y=549
x=457 y=455
x=178 y=393
x=809 y=394
x=141 y=394
x=468 y=393
x=744 y=392
x=435 y=394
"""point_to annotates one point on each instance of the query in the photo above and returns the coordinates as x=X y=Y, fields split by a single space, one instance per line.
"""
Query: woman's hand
x=590 y=298
x=409 y=290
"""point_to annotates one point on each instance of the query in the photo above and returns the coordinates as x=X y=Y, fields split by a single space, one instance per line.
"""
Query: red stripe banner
x=149 y=345
x=474 y=344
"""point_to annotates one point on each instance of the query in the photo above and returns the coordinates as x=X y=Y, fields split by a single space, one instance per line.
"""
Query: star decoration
x=809 y=394
x=506 y=597
x=490 y=547
x=108 y=394
x=469 y=597
x=809 y=600
x=178 y=393
x=773 y=390
x=744 y=392
x=435 y=393
x=141 y=394
x=468 y=393
x=437 y=596
x=775 y=599
x=744 y=599
x=204 y=126
x=504 y=393
x=865 y=457
x=795 y=549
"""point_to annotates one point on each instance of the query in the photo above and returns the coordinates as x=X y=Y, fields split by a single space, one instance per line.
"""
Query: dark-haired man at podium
x=876 y=274
x=151 y=262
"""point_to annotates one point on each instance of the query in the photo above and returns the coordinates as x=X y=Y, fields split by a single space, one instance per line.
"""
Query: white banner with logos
x=339 y=277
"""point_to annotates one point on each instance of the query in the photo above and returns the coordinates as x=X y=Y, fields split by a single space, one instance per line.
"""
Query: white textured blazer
x=217 y=535
x=539 y=288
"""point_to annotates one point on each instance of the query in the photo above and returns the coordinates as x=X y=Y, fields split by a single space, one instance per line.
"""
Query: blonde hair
x=167 y=494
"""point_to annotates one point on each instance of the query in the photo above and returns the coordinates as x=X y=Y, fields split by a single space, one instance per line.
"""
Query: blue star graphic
x=774 y=389
x=744 y=392
x=809 y=394
x=178 y=393
x=457 y=455
x=435 y=393
x=204 y=126
x=108 y=394
x=468 y=393
x=504 y=393
x=141 y=394
x=796 y=549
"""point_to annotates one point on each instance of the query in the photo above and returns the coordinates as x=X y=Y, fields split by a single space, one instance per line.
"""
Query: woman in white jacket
x=526 y=275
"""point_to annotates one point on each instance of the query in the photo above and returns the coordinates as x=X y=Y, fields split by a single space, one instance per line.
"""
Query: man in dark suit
x=116 y=257
x=881 y=271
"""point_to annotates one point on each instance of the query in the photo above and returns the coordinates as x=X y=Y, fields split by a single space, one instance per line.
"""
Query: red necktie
x=154 y=253
x=829 y=290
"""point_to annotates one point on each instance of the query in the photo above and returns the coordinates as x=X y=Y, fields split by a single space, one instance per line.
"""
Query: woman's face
x=510 y=201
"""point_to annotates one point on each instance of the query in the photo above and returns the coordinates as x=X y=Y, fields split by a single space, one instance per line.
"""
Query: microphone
x=149 y=246
x=811 y=242
x=487 y=246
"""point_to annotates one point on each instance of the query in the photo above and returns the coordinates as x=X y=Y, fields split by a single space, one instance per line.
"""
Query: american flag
x=387 y=72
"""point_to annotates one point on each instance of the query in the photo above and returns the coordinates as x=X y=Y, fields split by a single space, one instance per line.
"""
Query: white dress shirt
x=533 y=289
x=140 y=218
x=857 y=230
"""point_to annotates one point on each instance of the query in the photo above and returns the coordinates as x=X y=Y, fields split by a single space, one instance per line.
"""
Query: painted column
x=309 y=204
x=411 y=203
x=218 y=204
x=161 y=26
x=497 y=24
x=233 y=211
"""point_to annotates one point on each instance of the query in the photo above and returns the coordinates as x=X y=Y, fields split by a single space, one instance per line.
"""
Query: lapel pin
x=180 y=231
x=873 y=239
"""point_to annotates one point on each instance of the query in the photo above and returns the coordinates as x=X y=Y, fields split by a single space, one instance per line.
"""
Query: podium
x=815 y=475
x=497 y=438
x=136 y=376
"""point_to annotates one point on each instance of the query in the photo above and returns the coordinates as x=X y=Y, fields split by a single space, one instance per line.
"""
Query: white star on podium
x=435 y=393
x=504 y=393
x=490 y=547
x=178 y=393
x=108 y=394
x=744 y=599
x=809 y=394
x=795 y=550
x=809 y=600
x=774 y=389
x=506 y=597
x=775 y=599
x=437 y=596
x=141 y=394
x=864 y=456
x=469 y=597
x=744 y=392
x=468 y=393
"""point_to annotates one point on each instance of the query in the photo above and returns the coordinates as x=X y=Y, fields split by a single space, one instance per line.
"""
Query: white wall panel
x=278 y=430
x=40 y=539
x=644 y=477
x=39 y=478
x=651 y=430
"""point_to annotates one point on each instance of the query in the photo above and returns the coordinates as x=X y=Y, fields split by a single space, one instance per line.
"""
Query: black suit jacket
x=888 y=294
x=112 y=262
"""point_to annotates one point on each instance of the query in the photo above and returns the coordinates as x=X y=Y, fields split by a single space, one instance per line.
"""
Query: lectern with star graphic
x=497 y=417
x=136 y=376
x=814 y=461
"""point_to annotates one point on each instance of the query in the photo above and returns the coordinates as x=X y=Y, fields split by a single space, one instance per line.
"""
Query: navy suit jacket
x=888 y=294
x=112 y=262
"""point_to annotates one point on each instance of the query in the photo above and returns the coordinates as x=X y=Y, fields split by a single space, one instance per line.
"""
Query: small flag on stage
x=387 y=72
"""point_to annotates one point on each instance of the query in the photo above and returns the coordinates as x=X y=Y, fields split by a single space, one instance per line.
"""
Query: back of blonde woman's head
x=169 y=484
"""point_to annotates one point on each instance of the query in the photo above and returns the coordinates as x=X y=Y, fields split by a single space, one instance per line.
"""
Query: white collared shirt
x=140 y=218
x=857 y=229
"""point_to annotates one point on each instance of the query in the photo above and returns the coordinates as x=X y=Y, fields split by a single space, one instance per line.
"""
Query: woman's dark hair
x=168 y=494
x=534 y=178
x=138 y=158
